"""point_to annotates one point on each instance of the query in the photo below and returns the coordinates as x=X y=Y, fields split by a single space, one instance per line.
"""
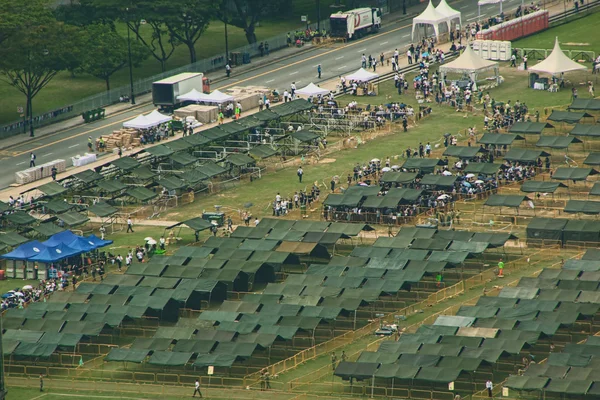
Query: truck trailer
x=165 y=91
x=355 y=23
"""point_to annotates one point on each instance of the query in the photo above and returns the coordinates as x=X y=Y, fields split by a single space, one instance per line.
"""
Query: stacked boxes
x=39 y=172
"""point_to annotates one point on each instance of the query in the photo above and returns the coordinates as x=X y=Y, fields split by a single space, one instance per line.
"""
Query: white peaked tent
x=444 y=9
x=469 y=63
x=193 y=95
x=362 y=75
x=557 y=62
x=139 y=122
x=158 y=118
x=430 y=17
x=312 y=90
x=219 y=97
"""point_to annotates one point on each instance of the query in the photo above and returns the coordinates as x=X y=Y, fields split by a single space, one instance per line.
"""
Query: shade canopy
x=362 y=75
x=219 y=97
x=430 y=16
x=444 y=9
x=25 y=251
x=56 y=253
x=193 y=95
x=147 y=121
x=158 y=118
x=468 y=62
x=312 y=90
x=557 y=62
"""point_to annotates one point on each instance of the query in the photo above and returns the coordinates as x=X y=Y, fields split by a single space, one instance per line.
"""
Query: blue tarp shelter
x=26 y=251
x=98 y=242
x=54 y=254
x=73 y=241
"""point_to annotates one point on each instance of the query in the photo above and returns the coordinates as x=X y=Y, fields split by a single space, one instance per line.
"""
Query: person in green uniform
x=500 y=268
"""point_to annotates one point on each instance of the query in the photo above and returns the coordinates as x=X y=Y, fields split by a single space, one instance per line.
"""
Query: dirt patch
x=327 y=160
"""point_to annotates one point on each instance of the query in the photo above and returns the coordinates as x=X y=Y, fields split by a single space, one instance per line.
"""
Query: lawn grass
x=66 y=89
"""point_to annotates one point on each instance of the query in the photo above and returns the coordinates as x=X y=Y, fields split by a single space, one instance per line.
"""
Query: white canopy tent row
x=147 y=121
x=557 y=62
x=216 y=97
x=469 y=63
x=362 y=75
x=312 y=90
x=443 y=15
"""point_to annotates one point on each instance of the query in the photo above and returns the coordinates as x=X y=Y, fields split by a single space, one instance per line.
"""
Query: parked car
x=387 y=330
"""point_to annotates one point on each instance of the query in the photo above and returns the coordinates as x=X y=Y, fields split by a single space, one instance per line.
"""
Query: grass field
x=65 y=89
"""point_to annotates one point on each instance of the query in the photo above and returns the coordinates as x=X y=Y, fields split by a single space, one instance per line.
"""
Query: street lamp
x=318 y=16
x=131 y=93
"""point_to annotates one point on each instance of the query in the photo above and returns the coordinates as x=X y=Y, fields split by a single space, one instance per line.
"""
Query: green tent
x=19 y=218
x=240 y=160
x=425 y=165
x=171 y=182
x=541 y=186
x=595 y=191
x=127 y=355
x=183 y=158
x=439 y=181
x=578 y=230
x=526 y=383
x=265 y=115
x=583 y=206
x=126 y=163
x=546 y=229
x=524 y=155
x=250 y=122
x=47 y=229
x=263 y=151
x=102 y=210
x=356 y=370
x=159 y=151
x=568 y=117
x=51 y=189
x=4 y=207
x=12 y=239
x=499 y=139
x=57 y=206
x=111 y=186
x=482 y=168
x=193 y=176
x=585 y=104
x=73 y=218
x=398 y=177
x=211 y=169
x=573 y=174
x=500 y=200
x=169 y=359
x=143 y=173
x=178 y=145
x=196 y=140
x=592 y=159
x=462 y=152
x=197 y=224
x=88 y=176
x=141 y=193
x=214 y=360
x=585 y=130
x=35 y=349
x=556 y=142
x=529 y=127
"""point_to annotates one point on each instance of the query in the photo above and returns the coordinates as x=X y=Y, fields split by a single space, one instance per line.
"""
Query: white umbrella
x=478 y=181
x=443 y=197
x=469 y=175
x=27 y=287
x=386 y=169
x=148 y=238
x=375 y=160
x=151 y=242
x=447 y=173
x=395 y=167
x=19 y=294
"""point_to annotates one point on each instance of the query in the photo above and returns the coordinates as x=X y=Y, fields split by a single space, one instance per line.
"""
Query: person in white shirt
x=197 y=389
x=129 y=225
x=256 y=221
x=293 y=90
x=489 y=386
x=285 y=96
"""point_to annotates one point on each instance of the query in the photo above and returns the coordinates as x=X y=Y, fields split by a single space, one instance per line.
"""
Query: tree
x=32 y=56
x=248 y=13
x=107 y=52
x=15 y=13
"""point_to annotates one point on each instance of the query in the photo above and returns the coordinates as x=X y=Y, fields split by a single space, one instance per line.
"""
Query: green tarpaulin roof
x=265 y=115
x=168 y=358
x=438 y=180
x=141 y=193
x=197 y=224
x=250 y=122
x=240 y=160
x=127 y=355
x=183 y=158
x=425 y=164
x=482 y=168
x=47 y=229
x=159 y=151
x=500 y=139
x=541 y=186
x=57 y=206
x=592 y=159
x=356 y=370
x=436 y=374
x=111 y=186
x=102 y=210
x=464 y=152
x=585 y=130
x=398 y=177
x=196 y=140
x=51 y=189
x=556 y=142
x=193 y=176
x=304 y=136
x=263 y=151
x=502 y=200
x=585 y=104
x=214 y=360
x=126 y=163
x=153 y=344
x=568 y=117
x=171 y=182
x=179 y=145
x=61 y=339
x=529 y=127
x=73 y=218
x=211 y=169
x=573 y=174
x=526 y=382
x=583 y=206
x=524 y=155
x=595 y=191
x=12 y=239
x=293 y=107
x=19 y=218
x=35 y=349
x=143 y=173
x=4 y=207
x=216 y=133
x=88 y=176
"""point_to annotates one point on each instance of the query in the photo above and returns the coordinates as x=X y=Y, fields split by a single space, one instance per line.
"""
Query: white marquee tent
x=158 y=118
x=444 y=9
x=469 y=63
x=193 y=95
x=147 y=121
x=362 y=75
x=557 y=62
x=219 y=97
x=312 y=90
x=430 y=17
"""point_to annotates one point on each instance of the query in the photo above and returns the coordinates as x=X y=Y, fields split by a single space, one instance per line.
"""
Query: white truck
x=165 y=91
x=355 y=23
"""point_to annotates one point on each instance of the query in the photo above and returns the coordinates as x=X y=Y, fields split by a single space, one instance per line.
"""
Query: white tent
x=158 y=118
x=362 y=75
x=312 y=90
x=139 y=122
x=430 y=17
x=469 y=63
x=557 y=62
x=219 y=97
x=193 y=95
x=444 y=9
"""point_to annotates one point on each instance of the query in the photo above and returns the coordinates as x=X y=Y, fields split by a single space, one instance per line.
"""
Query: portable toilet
x=494 y=50
x=477 y=47
x=485 y=49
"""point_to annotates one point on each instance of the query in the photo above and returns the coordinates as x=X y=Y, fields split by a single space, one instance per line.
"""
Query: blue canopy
x=25 y=251
x=98 y=242
x=64 y=237
x=83 y=244
x=56 y=253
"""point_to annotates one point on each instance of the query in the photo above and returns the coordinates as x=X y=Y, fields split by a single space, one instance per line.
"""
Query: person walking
x=267 y=47
x=32 y=160
x=500 y=269
x=300 y=173
x=229 y=224
x=90 y=144
x=293 y=91
x=344 y=356
x=513 y=60
x=489 y=386
x=333 y=361
x=319 y=71
x=525 y=61
x=53 y=172
x=228 y=70
x=129 y=225
x=197 y=389
x=41 y=383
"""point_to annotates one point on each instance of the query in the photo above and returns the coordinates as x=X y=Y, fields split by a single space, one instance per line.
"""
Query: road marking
x=237 y=82
x=469 y=14
x=40 y=396
x=407 y=35
x=463 y=7
x=381 y=44
x=75 y=145
x=94 y=396
x=342 y=67
x=472 y=19
x=269 y=81
x=46 y=155
x=21 y=163
x=339 y=58
x=294 y=73
x=360 y=51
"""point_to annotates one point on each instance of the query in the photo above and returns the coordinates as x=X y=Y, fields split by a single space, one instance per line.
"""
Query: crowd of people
x=20 y=298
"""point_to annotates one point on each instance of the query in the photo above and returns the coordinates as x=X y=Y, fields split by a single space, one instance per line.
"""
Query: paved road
x=335 y=61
